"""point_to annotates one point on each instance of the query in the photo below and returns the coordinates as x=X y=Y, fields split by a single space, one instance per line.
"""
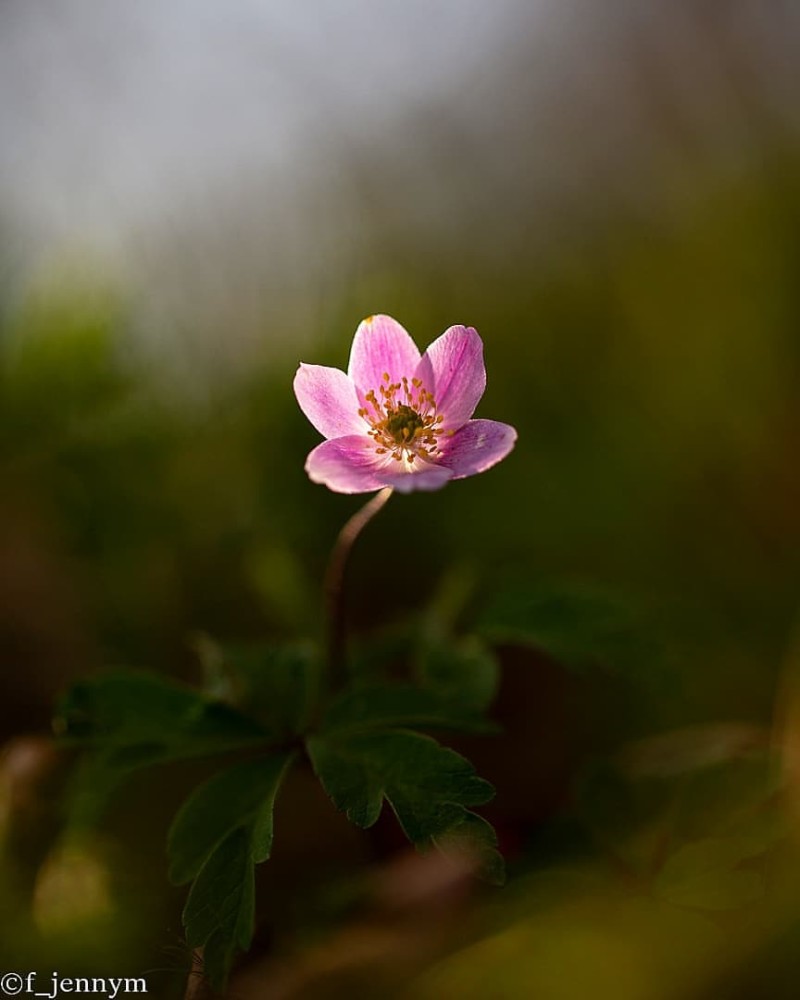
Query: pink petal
x=452 y=369
x=328 y=398
x=347 y=465
x=351 y=465
x=419 y=476
x=381 y=345
x=478 y=446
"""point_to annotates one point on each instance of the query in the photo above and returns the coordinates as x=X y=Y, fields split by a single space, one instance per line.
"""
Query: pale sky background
x=114 y=109
x=232 y=161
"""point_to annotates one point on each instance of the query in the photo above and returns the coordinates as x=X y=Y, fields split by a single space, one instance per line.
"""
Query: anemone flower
x=398 y=419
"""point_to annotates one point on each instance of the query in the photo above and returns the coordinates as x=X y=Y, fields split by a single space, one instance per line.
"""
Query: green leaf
x=463 y=672
x=131 y=720
x=218 y=954
x=428 y=786
x=576 y=625
x=242 y=795
x=220 y=834
x=399 y=705
x=473 y=842
x=276 y=682
x=381 y=656
x=706 y=874
x=137 y=719
x=220 y=911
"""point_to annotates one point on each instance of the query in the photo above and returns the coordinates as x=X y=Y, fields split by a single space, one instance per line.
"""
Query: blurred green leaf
x=242 y=795
x=660 y=791
x=729 y=797
x=400 y=705
x=383 y=655
x=576 y=625
x=275 y=682
x=428 y=786
x=706 y=874
x=282 y=582
x=461 y=671
x=612 y=806
x=60 y=368
x=131 y=720
x=692 y=748
x=135 y=719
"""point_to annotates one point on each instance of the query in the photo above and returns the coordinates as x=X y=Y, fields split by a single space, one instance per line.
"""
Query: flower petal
x=328 y=398
x=478 y=446
x=381 y=345
x=452 y=369
x=351 y=465
x=347 y=465
x=426 y=476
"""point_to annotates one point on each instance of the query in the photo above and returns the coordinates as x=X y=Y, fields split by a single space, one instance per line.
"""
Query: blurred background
x=193 y=198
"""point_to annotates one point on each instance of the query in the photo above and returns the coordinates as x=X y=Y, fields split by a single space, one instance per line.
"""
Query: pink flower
x=397 y=419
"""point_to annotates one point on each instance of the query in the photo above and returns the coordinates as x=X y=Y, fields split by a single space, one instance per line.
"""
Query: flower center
x=403 y=420
x=403 y=424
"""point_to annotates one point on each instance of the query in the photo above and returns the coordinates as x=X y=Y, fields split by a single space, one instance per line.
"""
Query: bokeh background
x=196 y=196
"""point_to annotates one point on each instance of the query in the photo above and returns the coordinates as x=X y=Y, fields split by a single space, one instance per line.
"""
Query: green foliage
x=219 y=915
x=267 y=697
x=474 y=842
x=240 y=796
x=463 y=672
x=59 y=370
x=688 y=813
x=400 y=705
x=427 y=785
x=385 y=654
x=220 y=833
x=577 y=625
x=129 y=720
x=275 y=682
x=224 y=828
x=366 y=750
x=133 y=719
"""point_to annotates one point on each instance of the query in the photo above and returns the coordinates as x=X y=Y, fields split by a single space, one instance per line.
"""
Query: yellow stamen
x=403 y=421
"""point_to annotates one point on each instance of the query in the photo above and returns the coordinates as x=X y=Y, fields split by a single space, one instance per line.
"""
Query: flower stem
x=334 y=584
x=197 y=986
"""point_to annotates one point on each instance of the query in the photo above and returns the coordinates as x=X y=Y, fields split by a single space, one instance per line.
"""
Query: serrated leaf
x=428 y=786
x=576 y=625
x=399 y=705
x=473 y=842
x=706 y=874
x=242 y=795
x=461 y=671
